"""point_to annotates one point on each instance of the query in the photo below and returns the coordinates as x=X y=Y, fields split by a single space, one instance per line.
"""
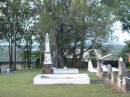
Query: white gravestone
x=90 y=67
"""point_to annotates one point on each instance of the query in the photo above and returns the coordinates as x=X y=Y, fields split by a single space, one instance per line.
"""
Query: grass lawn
x=19 y=84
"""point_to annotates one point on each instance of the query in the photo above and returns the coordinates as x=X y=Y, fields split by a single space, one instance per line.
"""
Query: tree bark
x=30 y=55
x=74 y=59
x=14 y=48
x=81 y=52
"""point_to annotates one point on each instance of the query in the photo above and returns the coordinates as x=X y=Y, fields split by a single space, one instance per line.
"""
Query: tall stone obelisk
x=47 y=68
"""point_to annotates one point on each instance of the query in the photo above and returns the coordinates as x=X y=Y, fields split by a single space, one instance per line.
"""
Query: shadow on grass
x=94 y=79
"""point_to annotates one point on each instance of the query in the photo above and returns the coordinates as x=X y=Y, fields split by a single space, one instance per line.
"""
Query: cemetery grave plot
x=61 y=79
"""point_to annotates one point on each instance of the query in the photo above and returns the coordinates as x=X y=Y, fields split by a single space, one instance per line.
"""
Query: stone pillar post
x=114 y=77
x=119 y=81
x=108 y=74
x=99 y=69
x=122 y=72
x=124 y=83
x=109 y=71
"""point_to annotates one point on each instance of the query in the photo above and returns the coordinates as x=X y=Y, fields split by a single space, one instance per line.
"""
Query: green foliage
x=17 y=25
x=71 y=24
x=24 y=55
x=38 y=56
x=112 y=3
x=120 y=9
x=74 y=22
x=126 y=50
x=124 y=14
x=128 y=65
x=92 y=57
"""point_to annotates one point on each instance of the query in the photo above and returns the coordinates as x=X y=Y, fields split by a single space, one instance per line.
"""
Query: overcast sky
x=121 y=36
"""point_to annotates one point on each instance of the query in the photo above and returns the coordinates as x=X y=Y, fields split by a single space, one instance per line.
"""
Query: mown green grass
x=19 y=84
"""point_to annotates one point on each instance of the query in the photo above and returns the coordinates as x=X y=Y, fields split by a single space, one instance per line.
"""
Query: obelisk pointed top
x=47 y=45
x=47 y=52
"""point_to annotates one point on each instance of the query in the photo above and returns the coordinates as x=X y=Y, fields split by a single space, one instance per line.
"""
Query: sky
x=118 y=33
x=121 y=36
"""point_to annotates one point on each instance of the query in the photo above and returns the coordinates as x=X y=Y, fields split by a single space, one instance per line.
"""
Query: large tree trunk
x=61 y=59
x=81 y=48
x=81 y=53
x=61 y=49
x=58 y=56
x=74 y=59
x=55 y=55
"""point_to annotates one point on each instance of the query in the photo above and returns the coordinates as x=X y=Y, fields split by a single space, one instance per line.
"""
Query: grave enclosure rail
x=119 y=80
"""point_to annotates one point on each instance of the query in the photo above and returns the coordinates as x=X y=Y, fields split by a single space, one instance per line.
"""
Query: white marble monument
x=59 y=76
x=47 y=67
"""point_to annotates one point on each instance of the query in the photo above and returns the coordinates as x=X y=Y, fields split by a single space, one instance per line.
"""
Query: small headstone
x=8 y=70
x=109 y=70
x=104 y=68
x=3 y=70
x=90 y=67
x=65 y=67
